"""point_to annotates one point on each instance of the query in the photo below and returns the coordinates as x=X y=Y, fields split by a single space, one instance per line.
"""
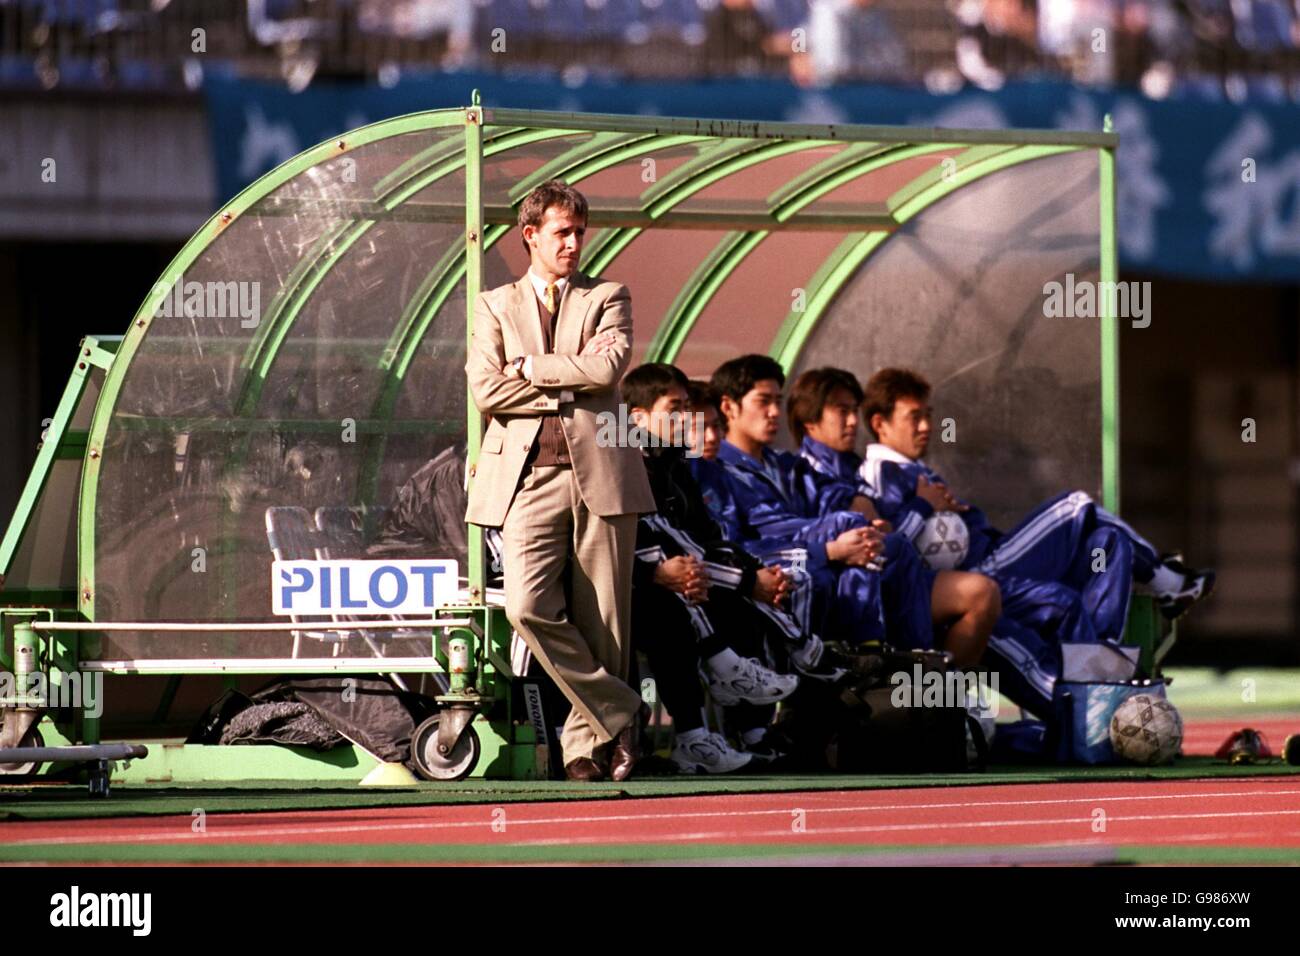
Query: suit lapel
x=574 y=305
x=527 y=317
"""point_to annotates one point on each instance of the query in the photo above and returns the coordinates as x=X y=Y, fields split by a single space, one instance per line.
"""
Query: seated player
x=695 y=596
x=1057 y=542
x=710 y=478
x=779 y=497
x=1036 y=615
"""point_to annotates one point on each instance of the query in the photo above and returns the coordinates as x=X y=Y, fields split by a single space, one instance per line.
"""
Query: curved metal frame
x=729 y=148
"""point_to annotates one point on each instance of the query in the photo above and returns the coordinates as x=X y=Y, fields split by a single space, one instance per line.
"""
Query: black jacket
x=682 y=525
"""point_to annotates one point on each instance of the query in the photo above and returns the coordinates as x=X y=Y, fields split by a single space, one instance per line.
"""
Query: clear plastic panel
x=746 y=312
x=749 y=189
x=623 y=185
x=879 y=184
x=656 y=266
x=957 y=295
x=47 y=554
x=503 y=172
x=221 y=417
x=46 y=557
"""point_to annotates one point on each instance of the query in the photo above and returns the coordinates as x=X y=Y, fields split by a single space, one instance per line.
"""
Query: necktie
x=550 y=298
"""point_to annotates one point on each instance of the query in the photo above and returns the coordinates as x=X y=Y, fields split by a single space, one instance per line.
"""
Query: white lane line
x=906 y=827
x=341 y=828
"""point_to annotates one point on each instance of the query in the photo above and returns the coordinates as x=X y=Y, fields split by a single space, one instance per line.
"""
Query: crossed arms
x=499 y=389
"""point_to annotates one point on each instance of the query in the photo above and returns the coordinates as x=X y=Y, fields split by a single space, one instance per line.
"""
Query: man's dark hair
x=703 y=395
x=811 y=391
x=553 y=192
x=646 y=384
x=886 y=387
x=736 y=378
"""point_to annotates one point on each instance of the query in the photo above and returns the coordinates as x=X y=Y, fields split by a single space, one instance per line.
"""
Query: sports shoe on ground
x=1244 y=746
x=1197 y=586
x=816 y=661
x=707 y=753
x=764 y=752
x=750 y=681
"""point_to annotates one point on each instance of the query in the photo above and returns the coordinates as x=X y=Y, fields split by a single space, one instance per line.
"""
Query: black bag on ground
x=369 y=711
x=868 y=723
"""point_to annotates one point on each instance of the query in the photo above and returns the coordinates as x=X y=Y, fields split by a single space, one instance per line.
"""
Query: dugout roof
x=855 y=246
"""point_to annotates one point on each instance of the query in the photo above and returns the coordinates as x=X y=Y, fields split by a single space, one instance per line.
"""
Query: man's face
x=708 y=438
x=907 y=430
x=757 y=415
x=556 y=245
x=664 y=418
x=838 y=426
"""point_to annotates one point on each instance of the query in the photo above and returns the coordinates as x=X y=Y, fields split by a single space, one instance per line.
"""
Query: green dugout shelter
x=307 y=348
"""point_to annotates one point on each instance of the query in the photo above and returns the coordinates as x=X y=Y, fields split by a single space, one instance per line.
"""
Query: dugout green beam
x=144 y=521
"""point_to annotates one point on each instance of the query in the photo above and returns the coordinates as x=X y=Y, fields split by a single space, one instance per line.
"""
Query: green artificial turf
x=197 y=851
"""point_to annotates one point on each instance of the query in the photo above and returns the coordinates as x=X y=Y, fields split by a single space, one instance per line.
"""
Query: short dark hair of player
x=703 y=395
x=811 y=391
x=553 y=192
x=886 y=387
x=736 y=379
x=646 y=384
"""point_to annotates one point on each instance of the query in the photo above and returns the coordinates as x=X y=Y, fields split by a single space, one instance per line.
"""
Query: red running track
x=1243 y=812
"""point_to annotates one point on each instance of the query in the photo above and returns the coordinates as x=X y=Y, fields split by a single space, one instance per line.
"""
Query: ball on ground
x=1146 y=730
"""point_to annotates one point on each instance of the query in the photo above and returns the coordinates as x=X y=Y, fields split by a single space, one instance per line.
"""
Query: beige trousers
x=568 y=584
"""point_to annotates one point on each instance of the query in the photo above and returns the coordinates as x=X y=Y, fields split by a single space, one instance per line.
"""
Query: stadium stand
x=1229 y=49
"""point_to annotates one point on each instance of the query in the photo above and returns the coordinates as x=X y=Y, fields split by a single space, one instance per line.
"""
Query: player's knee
x=988 y=599
x=981 y=598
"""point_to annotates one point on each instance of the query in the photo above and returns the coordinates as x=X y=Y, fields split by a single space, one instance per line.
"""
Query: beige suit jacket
x=612 y=480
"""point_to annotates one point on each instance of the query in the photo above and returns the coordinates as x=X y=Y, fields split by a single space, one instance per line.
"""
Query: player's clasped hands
x=938 y=495
x=685 y=575
x=771 y=586
x=857 y=546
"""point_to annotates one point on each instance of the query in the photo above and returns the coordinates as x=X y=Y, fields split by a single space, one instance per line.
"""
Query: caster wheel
x=432 y=765
x=11 y=771
x=98 y=779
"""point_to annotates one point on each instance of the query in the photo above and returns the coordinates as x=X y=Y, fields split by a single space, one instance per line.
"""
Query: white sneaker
x=707 y=753
x=750 y=681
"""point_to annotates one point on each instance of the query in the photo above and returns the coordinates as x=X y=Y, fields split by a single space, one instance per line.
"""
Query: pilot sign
x=362 y=587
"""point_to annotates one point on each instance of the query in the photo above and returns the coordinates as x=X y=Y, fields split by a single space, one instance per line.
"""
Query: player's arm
x=495 y=390
x=895 y=496
x=597 y=371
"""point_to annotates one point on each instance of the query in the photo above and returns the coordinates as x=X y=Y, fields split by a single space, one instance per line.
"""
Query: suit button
x=524 y=447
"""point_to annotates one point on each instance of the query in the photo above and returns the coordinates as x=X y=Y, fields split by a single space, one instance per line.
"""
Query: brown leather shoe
x=627 y=746
x=584 y=770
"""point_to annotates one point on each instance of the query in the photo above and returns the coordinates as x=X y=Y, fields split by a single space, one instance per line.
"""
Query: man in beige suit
x=546 y=358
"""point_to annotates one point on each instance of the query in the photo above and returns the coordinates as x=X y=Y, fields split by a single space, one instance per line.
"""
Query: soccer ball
x=1147 y=730
x=943 y=541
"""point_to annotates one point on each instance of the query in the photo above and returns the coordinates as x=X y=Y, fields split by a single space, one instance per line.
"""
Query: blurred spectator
x=1081 y=34
x=739 y=41
x=420 y=20
x=998 y=38
x=1264 y=26
x=849 y=40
